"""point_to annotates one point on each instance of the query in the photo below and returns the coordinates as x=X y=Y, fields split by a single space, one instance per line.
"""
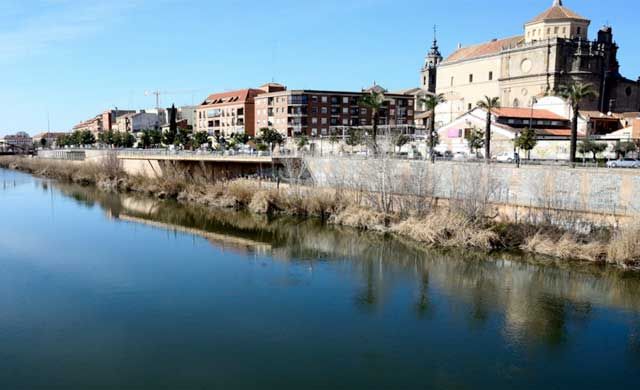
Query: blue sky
x=72 y=59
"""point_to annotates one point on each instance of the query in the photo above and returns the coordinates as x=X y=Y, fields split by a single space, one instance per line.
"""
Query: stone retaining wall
x=587 y=190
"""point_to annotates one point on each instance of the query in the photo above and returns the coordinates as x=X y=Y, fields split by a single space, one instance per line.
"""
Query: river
x=103 y=291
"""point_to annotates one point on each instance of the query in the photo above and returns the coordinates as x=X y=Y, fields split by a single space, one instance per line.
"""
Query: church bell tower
x=430 y=68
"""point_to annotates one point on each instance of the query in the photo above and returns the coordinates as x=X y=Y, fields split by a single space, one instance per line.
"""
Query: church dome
x=557 y=12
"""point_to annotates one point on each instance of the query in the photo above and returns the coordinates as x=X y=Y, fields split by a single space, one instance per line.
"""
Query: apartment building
x=104 y=121
x=231 y=112
x=314 y=112
x=135 y=122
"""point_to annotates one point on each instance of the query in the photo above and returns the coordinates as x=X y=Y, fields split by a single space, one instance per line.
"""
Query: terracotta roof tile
x=236 y=97
x=484 y=49
x=557 y=12
x=526 y=113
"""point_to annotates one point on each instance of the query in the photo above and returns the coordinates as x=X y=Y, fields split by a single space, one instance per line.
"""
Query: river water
x=115 y=292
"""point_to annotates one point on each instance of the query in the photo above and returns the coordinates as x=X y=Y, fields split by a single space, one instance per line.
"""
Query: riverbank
x=468 y=225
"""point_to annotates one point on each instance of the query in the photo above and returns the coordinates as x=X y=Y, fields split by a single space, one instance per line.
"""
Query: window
x=324 y=121
x=314 y=121
x=628 y=91
x=345 y=110
x=324 y=99
x=516 y=103
x=471 y=78
x=345 y=100
x=345 y=122
x=469 y=107
x=424 y=82
x=490 y=76
x=314 y=99
x=579 y=30
x=452 y=81
x=324 y=110
x=555 y=30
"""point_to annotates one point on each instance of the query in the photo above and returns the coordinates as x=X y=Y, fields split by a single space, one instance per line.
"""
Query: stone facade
x=554 y=50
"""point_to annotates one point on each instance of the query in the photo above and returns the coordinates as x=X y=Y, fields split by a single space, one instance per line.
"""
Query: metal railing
x=193 y=153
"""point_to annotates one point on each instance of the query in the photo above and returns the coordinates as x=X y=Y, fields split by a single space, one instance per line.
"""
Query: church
x=554 y=50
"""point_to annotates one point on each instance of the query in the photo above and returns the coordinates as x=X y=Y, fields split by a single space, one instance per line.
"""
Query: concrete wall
x=593 y=191
x=94 y=155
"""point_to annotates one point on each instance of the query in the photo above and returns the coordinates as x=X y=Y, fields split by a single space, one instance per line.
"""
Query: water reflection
x=536 y=301
x=106 y=291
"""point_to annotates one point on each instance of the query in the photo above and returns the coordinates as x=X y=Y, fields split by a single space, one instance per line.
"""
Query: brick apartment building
x=104 y=121
x=231 y=112
x=314 y=113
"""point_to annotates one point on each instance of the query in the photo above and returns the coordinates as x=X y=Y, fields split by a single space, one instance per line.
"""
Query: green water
x=116 y=292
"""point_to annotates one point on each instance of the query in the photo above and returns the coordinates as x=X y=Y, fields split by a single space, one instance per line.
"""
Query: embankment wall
x=612 y=192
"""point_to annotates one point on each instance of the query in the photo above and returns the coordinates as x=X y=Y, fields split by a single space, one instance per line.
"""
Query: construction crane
x=158 y=93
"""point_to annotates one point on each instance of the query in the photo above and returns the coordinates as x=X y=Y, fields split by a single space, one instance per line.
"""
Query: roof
x=375 y=88
x=557 y=12
x=48 y=134
x=336 y=93
x=527 y=113
x=492 y=47
x=614 y=116
x=555 y=132
x=238 y=96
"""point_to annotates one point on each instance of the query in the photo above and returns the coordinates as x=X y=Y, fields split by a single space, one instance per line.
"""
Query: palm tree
x=488 y=104
x=431 y=102
x=374 y=101
x=575 y=93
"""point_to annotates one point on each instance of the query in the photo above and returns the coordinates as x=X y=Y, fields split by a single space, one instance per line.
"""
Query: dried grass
x=263 y=202
x=361 y=218
x=242 y=191
x=624 y=247
x=567 y=246
x=447 y=229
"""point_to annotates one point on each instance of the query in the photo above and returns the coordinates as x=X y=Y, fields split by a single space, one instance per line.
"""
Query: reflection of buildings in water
x=534 y=299
x=242 y=246
x=140 y=205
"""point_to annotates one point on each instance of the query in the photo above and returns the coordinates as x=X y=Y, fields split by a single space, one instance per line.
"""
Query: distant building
x=50 y=138
x=105 y=121
x=554 y=50
x=315 y=112
x=19 y=142
x=188 y=114
x=139 y=121
x=231 y=112
x=552 y=131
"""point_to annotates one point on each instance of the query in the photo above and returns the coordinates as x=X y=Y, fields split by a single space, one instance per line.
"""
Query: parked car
x=624 y=163
x=508 y=157
x=459 y=156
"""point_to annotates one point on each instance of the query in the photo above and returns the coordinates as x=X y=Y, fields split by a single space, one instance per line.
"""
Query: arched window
x=516 y=103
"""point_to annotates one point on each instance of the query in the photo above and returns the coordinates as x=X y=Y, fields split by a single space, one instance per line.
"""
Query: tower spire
x=435 y=39
x=557 y=3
